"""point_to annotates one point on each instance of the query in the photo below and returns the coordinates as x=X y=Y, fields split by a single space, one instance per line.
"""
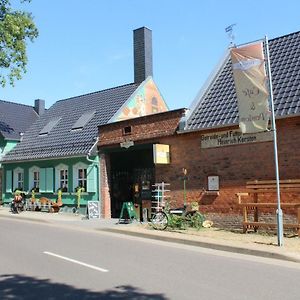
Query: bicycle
x=177 y=218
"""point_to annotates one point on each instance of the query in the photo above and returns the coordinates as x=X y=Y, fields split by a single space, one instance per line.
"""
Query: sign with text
x=249 y=72
x=233 y=137
x=213 y=183
x=161 y=154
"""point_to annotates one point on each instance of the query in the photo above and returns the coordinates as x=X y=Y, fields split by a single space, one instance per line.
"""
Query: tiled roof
x=217 y=106
x=15 y=119
x=61 y=140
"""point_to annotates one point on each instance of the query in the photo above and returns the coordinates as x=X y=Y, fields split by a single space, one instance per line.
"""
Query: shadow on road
x=14 y=286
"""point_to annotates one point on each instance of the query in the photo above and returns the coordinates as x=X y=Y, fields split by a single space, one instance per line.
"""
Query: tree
x=16 y=28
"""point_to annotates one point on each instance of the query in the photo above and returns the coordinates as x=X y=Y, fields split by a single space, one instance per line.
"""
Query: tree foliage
x=16 y=28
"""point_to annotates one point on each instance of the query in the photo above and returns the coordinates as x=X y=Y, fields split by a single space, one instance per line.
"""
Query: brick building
x=207 y=142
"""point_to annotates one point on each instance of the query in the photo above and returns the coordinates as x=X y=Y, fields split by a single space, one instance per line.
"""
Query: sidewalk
x=212 y=238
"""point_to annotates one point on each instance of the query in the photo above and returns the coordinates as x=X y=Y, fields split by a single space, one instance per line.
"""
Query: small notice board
x=128 y=211
x=93 y=210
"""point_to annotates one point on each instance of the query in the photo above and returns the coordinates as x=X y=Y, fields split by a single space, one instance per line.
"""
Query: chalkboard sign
x=93 y=210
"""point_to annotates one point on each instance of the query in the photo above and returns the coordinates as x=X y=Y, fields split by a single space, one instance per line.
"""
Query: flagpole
x=279 y=210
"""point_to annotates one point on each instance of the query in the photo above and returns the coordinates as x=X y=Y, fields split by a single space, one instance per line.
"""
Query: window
x=49 y=126
x=63 y=180
x=34 y=178
x=83 y=120
x=19 y=179
x=82 y=178
x=85 y=176
x=62 y=177
x=127 y=130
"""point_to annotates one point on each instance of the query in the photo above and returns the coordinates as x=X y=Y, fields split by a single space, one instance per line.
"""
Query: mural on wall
x=146 y=100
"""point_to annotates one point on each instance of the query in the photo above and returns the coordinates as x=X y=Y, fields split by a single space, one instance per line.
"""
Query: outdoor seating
x=259 y=187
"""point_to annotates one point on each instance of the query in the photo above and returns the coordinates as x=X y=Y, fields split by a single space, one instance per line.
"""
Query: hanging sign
x=161 y=154
x=251 y=87
x=127 y=144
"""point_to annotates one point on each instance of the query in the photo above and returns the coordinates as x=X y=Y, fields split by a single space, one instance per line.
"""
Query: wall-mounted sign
x=233 y=137
x=161 y=154
x=127 y=144
x=213 y=183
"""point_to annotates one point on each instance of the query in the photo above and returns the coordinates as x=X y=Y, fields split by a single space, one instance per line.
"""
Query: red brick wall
x=233 y=164
x=104 y=186
x=144 y=128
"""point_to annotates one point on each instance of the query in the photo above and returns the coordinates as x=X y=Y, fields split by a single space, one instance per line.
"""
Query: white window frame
x=16 y=180
x=76 y=168
x=32 y=170
x=58 y=169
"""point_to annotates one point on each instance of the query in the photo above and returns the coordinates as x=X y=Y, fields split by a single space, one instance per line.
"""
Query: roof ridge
x=285 y=35
x=91 y=93
x=10 y=102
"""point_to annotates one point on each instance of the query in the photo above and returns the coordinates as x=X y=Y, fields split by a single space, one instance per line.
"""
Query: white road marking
x=76 y=261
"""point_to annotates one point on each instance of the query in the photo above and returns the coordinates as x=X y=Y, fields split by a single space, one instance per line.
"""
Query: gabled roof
x=63 y=141
x=216 y=106
x=15 y=119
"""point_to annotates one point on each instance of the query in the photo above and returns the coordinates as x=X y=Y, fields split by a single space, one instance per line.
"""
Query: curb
x=201 y=244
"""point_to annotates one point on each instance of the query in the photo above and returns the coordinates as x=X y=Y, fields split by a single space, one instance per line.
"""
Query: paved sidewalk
x=212 y=238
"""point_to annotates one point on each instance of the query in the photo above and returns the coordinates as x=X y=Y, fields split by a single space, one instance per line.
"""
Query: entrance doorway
x=132 y=177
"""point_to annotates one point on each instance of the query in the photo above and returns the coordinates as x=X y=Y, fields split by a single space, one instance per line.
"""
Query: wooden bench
x=257 y=187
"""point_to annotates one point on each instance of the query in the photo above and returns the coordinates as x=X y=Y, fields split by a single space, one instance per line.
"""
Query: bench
x=257 y=187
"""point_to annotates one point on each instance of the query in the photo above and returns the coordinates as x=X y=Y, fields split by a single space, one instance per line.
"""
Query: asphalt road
x=40 y=261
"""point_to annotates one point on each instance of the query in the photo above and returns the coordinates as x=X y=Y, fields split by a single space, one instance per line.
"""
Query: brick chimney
x=39 y=106
x=142 y=43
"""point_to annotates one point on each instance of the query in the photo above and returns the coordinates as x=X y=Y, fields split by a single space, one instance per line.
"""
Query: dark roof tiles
x=62 y=141
x=218 y=104
x=15 y=119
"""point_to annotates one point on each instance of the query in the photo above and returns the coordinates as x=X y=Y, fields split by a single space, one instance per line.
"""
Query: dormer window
x=50 y=125
x=127 y=130
x=83 y=120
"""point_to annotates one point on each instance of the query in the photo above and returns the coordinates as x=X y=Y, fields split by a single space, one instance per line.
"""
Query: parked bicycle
x=177 y=218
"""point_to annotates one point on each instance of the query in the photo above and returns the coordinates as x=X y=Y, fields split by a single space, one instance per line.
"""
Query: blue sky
x=87 y=46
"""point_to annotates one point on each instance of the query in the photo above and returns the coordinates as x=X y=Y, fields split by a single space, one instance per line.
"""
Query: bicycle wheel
x=195 y=219
x=159 y=221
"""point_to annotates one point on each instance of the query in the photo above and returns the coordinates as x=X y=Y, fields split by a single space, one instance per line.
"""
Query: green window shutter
x=49 y=180
x=30 y=180
x=92 y=179
x=8 y=181
x=43 y=180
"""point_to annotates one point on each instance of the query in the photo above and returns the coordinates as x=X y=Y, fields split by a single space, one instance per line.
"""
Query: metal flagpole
x=279 y=211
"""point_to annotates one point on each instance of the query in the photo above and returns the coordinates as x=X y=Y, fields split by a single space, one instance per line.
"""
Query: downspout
x=90 y=151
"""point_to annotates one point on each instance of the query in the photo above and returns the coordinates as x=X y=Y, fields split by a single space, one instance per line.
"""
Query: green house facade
x=15 y=119
x=47 y=176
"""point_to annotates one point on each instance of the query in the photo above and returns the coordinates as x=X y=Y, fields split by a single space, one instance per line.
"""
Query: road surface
x=40 y=261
